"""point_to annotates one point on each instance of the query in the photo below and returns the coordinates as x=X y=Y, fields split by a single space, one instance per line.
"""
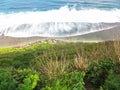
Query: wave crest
x=64 y=14
x=61 y=22
x=53 y=29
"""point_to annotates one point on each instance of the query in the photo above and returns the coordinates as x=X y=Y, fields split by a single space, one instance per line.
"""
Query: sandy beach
x=6 y=41
x=104 y=35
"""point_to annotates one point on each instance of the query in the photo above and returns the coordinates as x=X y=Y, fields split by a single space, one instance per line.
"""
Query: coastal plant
x=70 y=81
x=97 y=72
x=112 y=82
x=55 y=63
x=7 y=82
x=117 y=50
x=29 y=83
x=22 y=60
x=80 y=63
x=18 y=79
x=50 y=67
x=104 y=50
x=26 y=79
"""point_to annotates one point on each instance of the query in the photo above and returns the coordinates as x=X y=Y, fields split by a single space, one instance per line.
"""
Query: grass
x=117 y=49
x=52 y=61
x=80 y=63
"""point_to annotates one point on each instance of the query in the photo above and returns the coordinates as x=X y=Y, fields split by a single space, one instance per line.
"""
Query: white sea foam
x=61 y=22
x=64 y=14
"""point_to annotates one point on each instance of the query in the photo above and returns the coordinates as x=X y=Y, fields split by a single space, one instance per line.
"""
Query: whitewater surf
x=57 y=18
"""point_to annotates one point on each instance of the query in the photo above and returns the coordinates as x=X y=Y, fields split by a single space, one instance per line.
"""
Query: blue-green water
x=23 y=18
x=45 y=5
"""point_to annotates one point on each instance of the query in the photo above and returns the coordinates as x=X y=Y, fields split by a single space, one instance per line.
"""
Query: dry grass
x=104 y=51
x=117 y=49
x=51 y=67
x=59 y=65
x=53 y=63
x=80 y=63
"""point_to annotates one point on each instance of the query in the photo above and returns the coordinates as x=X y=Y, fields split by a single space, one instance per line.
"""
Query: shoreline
x=25 y=42
x=95 y=37
x=14 y=42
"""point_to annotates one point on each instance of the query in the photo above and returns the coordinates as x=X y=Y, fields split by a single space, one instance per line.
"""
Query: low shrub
x=70 y=81
x=18 y=79
x=26 y=79
x=7 y=82
x=22 y=60
x=98 y=72
x=112 y=82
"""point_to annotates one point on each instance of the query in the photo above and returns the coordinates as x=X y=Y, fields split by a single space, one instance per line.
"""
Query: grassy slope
x=21 y=57
x=66 y=57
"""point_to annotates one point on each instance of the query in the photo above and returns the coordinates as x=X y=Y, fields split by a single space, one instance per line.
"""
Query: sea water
x=57 y=18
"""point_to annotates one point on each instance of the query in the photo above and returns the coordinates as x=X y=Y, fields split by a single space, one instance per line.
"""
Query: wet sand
x=105 y=35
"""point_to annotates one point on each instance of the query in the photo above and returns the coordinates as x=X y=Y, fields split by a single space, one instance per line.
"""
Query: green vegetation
x=98 y=72
x=18 y=79
x=62 y=66
x=70 y=81
x=112 y=82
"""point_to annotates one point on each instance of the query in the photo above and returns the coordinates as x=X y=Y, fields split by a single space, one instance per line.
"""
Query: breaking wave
x=56 y=23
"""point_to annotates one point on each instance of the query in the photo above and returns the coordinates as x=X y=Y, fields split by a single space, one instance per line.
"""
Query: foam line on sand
x=104 y=35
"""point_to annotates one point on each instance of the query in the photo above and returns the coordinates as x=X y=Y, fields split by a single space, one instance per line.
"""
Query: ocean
x=57 y=18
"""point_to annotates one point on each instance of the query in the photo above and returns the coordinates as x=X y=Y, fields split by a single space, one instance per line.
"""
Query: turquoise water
x=57 y=18
x=44 y=5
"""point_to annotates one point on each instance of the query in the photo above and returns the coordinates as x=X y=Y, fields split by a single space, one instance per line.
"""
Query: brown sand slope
x=12 y=41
